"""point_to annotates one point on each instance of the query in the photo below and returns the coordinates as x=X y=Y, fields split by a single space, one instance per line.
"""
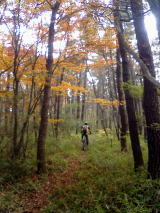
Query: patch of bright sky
x=150 y=23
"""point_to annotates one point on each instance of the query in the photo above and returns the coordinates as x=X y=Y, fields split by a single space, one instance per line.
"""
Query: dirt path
x=33 y=202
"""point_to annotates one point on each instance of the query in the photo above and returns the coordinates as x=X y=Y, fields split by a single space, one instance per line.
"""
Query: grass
x=104 y=181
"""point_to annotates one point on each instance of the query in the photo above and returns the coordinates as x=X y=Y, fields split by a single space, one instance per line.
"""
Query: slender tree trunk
x=73 y=101
x=150 y=101
x=113 y=96
x=97 y=116
x=15 y=120
x=114 y=109
x=78 y=103
x=84 y=96
x=7 y=111
x=31 y=107
x=41 y=164
x=17 y=45
x=15 y=104
x=122 y=109
x=100 y=108
x=132 y=121
x=58 y=108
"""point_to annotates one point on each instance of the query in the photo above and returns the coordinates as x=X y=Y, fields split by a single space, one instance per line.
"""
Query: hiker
x=85 y=129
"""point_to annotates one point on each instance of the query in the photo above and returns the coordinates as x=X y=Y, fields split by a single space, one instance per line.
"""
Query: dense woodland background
x=63 y=63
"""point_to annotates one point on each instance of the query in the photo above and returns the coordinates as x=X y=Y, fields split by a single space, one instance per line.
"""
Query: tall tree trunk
x=21 y=147
x=78 y=104
x=84 y=95
x=122 y=109
x=132 y=121
x=114 y=95
x=99 y=107
x=16 y=44
x=150 y=101
x=73 y=101
x=114 y=109
x=15 y=114
x=7 y=111
x=58 y=108
x=41 y=164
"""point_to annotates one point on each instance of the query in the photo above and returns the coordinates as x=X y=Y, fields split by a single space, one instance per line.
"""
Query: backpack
x=85 y=129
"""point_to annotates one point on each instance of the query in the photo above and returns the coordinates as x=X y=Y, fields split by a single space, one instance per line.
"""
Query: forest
x=66 y=63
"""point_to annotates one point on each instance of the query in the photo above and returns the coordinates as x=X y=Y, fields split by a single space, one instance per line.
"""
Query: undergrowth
x=105 y=181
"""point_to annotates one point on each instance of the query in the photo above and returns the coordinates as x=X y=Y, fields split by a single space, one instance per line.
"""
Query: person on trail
x=85 y=129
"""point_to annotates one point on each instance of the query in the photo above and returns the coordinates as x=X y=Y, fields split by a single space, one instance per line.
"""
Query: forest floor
x=35 y=201
x=98 y=180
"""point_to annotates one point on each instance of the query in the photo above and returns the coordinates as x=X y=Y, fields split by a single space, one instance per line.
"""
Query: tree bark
x=78 y=103
x=16 y=45
x=132 y=121
x=7 y=111
x=122 y=109
x=41 y=164
x=150 y=101
x=84 y=96
x=58 y=107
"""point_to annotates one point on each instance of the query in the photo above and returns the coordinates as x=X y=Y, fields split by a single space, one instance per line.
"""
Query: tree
x=150 y=101
x=133 y=128
x=122 y=110
x=41 y=166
